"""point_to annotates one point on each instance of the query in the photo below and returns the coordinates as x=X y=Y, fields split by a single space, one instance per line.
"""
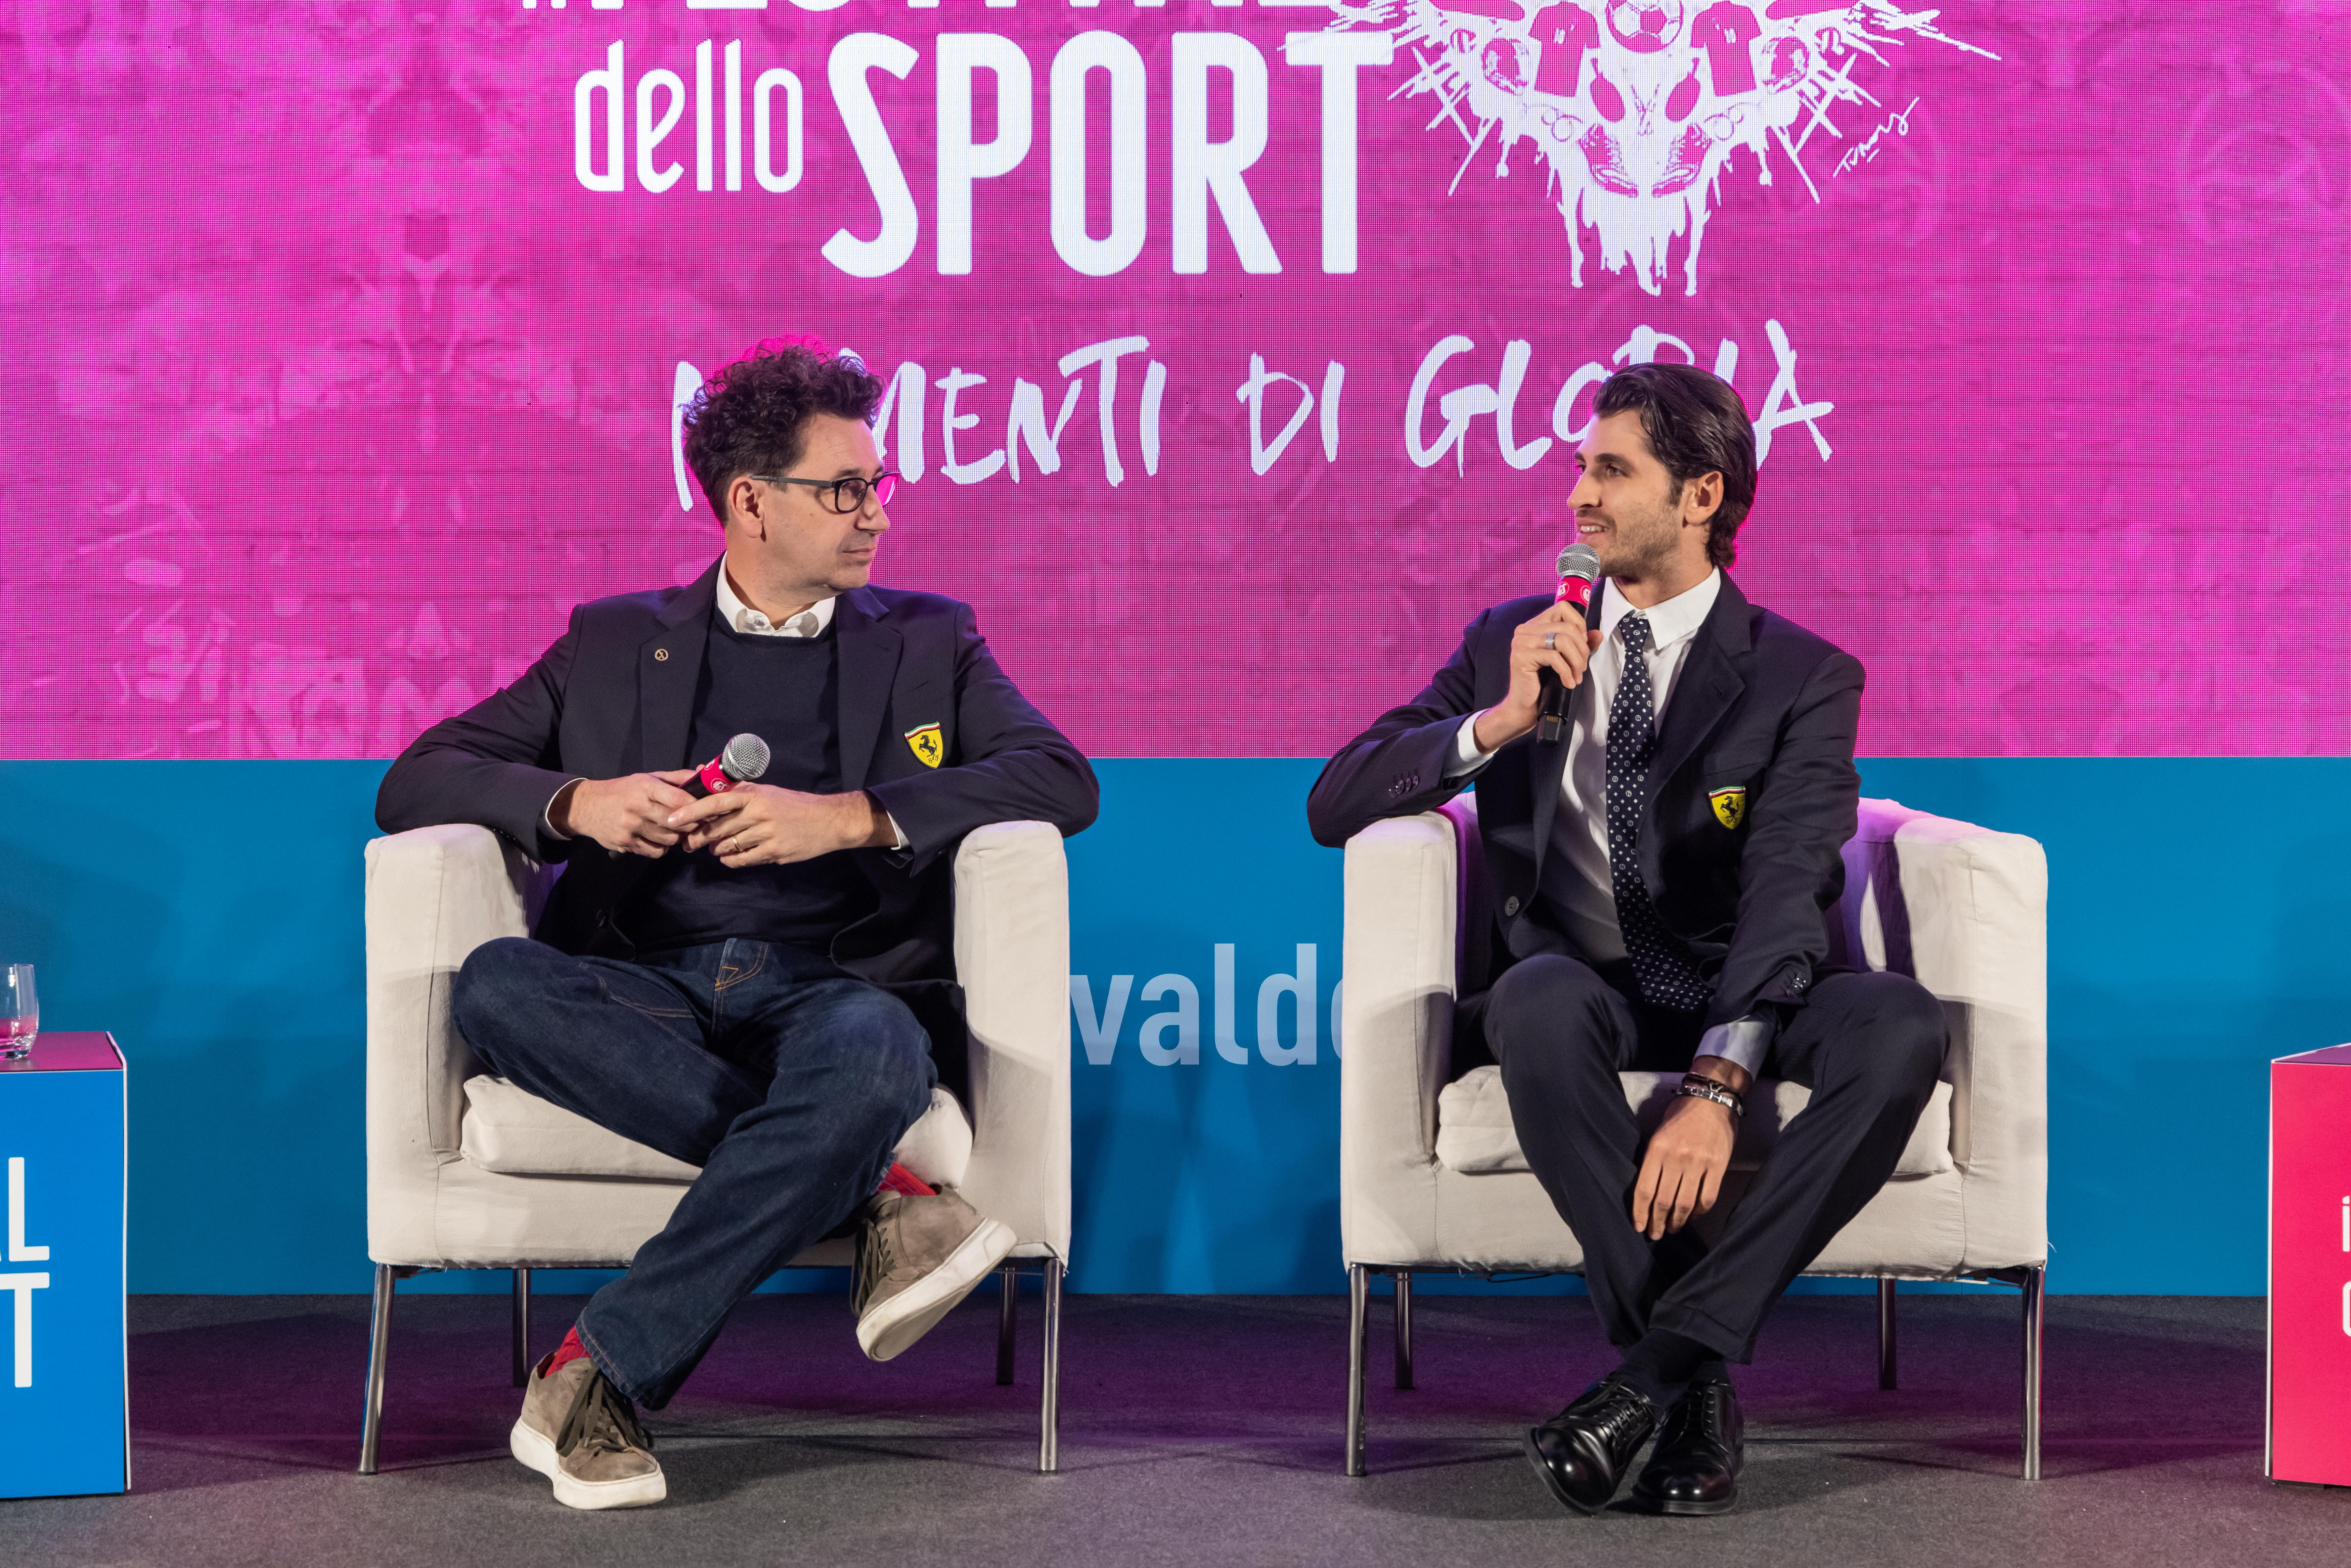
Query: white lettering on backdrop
x=621 y=125
x=967 y=406
x=1171 y=1037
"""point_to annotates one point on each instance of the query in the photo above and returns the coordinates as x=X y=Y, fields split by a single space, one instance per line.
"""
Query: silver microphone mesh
x=1580 y=560
x=746 y=757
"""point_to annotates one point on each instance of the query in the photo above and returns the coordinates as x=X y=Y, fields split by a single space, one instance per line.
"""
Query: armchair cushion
x=513 y=1132
x=1475 y=1136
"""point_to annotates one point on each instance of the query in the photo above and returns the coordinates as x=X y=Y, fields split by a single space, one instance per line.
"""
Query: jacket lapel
x=1712 y=681
x=668 y=666
x=869 y=664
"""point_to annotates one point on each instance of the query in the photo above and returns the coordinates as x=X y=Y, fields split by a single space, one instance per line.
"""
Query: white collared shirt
x=1586 y=897
x=809 y=623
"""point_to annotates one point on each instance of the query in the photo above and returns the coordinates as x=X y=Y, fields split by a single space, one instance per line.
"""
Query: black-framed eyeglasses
x=843 y=495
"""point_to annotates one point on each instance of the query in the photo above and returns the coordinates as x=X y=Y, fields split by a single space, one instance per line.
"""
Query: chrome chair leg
x=2033 y=1278
x=1008 y=1310
x=379 y=1347
x=1403 y=1328
x=521 y=1327
x=1886 y=1331
x=1049 y=1431
x=1359 y=1294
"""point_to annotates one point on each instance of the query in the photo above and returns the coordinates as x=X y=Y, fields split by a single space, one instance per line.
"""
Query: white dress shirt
x=1589 y=906
x=809 y=623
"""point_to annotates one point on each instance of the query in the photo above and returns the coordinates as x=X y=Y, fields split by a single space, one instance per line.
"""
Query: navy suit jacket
x=615 y=695
x=1760 y=705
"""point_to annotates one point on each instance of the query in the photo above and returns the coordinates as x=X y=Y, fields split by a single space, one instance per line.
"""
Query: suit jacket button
x=1510 y=906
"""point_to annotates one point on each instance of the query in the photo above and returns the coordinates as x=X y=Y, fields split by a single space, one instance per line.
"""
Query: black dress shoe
x=1695 y=1466
x=1583 y=1452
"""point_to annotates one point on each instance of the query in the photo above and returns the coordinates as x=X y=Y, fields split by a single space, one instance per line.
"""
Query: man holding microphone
x=1661 y=871
x=754 y=981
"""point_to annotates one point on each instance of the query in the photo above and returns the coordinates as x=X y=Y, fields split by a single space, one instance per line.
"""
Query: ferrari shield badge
x=930 y=750
x=1730 y=805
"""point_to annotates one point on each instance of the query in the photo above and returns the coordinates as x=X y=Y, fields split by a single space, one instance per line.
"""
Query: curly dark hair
x=752 y=417
x=1696 y=425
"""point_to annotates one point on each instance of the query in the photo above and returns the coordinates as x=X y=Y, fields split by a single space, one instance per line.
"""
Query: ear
x=1701 y=498
x=745 y=506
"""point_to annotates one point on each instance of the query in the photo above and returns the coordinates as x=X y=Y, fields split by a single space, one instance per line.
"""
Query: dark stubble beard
x=1647 y=548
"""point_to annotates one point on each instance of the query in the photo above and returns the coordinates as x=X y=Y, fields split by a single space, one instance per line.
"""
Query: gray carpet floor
x=1195 y=1430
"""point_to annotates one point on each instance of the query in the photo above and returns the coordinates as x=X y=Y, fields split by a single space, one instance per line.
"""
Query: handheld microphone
x=1578 y=567
x=744 y=759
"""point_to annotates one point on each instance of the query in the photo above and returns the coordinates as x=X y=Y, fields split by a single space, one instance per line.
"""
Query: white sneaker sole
x=889 y=1329
x=533 y=1450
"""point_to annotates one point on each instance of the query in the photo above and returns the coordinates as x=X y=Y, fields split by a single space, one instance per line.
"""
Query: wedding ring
x=1550 y=640
x=734 y=844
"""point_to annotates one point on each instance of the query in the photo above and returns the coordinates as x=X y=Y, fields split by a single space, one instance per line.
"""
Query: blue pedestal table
x=64 y=1411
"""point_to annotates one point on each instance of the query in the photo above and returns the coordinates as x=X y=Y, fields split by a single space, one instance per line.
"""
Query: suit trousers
x=1870 y=1047
x=788 y=1082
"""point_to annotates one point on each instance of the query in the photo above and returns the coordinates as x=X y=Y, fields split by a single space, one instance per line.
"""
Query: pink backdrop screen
x=1237 y=351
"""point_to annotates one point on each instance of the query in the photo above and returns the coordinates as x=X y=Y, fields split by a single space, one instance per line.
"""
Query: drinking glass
x=20 y=1012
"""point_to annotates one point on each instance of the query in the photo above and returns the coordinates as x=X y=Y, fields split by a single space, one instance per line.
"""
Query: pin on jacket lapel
x=668 y=667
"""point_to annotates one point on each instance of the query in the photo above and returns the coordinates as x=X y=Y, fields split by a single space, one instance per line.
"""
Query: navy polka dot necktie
x=1660 y=963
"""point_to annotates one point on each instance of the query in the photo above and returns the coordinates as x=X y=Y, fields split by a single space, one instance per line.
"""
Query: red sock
x=900 y=1179
x=569 y=1348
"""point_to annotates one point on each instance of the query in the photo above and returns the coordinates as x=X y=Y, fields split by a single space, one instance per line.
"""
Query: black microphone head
x=745 y=758
x=1580 y=560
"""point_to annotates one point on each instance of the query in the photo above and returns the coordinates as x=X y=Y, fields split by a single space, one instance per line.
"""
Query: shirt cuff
x=547 y=817
x=1467 y=758
x=898 y=830
x=1740 y=1043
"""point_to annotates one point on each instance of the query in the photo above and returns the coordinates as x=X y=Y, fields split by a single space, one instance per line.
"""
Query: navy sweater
x=786 y=691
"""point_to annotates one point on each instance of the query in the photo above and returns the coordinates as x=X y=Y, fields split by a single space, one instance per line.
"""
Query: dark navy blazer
x=615 y=695
x=1760 y=705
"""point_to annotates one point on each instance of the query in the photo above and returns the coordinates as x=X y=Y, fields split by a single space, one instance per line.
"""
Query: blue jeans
x=786 y=1081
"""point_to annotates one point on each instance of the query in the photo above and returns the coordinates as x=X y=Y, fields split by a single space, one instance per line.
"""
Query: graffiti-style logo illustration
x=1636 y=107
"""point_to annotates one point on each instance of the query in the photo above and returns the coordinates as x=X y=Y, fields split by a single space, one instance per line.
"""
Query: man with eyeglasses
x=753 y=981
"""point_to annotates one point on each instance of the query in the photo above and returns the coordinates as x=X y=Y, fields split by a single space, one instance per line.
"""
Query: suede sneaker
x=917 y=1258
x=582 y=1433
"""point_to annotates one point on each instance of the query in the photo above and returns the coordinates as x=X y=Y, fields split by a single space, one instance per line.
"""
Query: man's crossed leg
x=789 y=1083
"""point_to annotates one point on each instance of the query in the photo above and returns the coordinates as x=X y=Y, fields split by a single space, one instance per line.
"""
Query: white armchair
x=1431 y=1176
x=466 y=1171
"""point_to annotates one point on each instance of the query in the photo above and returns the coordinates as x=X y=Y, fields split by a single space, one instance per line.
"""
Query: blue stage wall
x=208 y=914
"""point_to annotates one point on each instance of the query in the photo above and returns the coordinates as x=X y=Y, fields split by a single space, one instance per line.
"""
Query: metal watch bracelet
x=1697 y=1086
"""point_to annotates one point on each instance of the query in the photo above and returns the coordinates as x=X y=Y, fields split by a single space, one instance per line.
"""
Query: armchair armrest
x=1012 y=956
x=1964 y=910
x=1395 y=1034
x=434 y=895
